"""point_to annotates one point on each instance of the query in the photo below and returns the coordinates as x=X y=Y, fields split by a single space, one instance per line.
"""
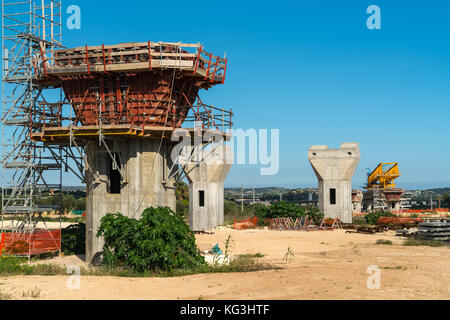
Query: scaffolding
x=55 y=100
x=31 y=170
x=133 y=90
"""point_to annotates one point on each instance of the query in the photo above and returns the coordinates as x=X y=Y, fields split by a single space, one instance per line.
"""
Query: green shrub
x=73 y=239
x=288 y=209
x=382 y=241
x=160 y=240
x=372 y=218
x=11 y=265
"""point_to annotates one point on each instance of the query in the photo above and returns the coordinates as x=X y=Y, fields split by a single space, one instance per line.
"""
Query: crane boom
x=383 y=176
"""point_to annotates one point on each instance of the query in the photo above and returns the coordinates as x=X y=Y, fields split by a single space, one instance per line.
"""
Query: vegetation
x=255 y=255
x=73 y=239
x=160 y=244
x=372 y=218
x=183 y=208
x=232 y=211
x=289 y=256
x=288 y=209
x=399 y=267
x=181 y=190
x=69 y=201
x=160 y=240
x=18 y=266
x=445 y=200
x=382 y=241
x=182 y=196
x=10 y=265
x=290 y=195
x=424 y=242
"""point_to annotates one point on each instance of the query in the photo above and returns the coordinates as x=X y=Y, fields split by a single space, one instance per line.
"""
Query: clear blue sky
x=313 y=70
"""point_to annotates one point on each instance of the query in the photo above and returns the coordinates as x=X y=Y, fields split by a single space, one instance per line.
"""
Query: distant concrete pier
x=334 y=169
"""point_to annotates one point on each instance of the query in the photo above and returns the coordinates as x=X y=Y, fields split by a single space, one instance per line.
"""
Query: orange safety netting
x=397 y=220
x=40 y=241
x=245 y=224
x=424 y=210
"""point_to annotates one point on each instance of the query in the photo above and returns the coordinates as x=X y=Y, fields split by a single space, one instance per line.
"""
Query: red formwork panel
x=38 y=242
x=140 y=99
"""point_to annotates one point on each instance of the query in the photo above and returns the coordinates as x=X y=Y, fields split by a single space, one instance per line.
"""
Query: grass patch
x=382 y=241
x=394 y=268
x=46 y=270
x=243 y=263
x=255 y=255
x=424 y=242
x=10 y=266
x=5 y=296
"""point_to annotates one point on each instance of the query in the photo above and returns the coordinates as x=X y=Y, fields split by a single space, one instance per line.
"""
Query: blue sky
x=315 y=71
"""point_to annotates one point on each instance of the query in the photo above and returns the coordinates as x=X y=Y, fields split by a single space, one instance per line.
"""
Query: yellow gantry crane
x=383 y=176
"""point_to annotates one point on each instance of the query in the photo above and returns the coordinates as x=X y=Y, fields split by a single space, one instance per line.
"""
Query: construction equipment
x=383 y=176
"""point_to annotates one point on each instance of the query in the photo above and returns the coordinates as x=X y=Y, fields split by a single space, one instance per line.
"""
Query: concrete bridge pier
x=206 y=188
x=334 y=169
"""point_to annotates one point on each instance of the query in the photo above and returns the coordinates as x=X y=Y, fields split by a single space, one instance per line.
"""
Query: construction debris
x=435 y=229
x=369 y=230
x=407 y=232
x=304 y=223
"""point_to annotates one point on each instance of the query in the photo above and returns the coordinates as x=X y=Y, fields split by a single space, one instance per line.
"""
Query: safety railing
x=131 y=56
x=211 y=117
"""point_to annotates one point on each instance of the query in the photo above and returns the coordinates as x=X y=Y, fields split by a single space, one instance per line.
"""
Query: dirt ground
x=326 y=265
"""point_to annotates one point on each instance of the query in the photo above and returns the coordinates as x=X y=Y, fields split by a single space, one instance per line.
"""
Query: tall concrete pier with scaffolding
x=113 y=125
x=128 y=99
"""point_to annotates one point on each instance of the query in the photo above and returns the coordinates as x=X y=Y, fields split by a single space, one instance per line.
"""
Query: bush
x=73 y=239
x=160 y=240
x=288 y=209
x=372 y=218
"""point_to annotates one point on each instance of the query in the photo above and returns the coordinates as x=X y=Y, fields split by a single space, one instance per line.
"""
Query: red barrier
x=421 y=210
x=40 y=241
x=396 y=220
x=245 y=224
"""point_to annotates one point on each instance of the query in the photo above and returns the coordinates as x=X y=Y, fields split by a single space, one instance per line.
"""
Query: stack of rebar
x=435 y=229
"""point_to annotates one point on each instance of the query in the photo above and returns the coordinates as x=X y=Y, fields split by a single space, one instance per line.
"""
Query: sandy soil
x=327 y=265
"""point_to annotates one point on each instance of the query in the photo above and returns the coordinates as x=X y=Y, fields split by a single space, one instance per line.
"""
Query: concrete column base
x=146 y=171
